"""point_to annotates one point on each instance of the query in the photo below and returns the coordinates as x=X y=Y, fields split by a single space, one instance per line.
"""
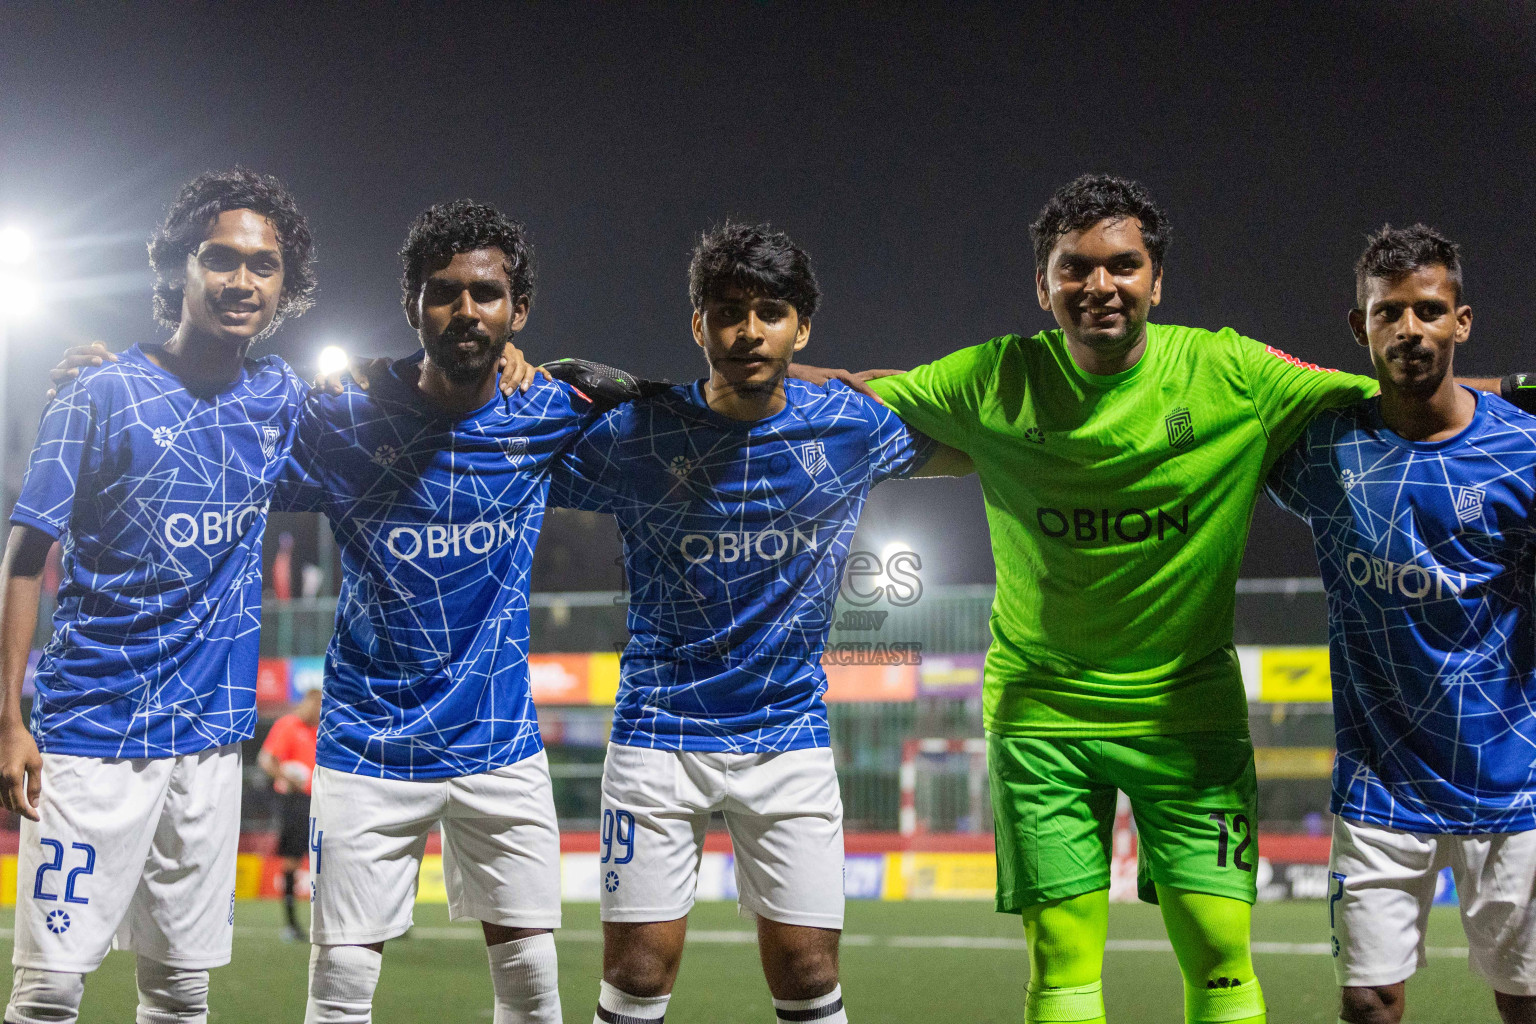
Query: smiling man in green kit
x=1119 y=462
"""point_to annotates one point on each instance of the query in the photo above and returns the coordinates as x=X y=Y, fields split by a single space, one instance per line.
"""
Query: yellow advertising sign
x=1294 y=762
x=248 y=869
x=602 y=679
x=8 y=880
x=430 y=887
x=940 y=876
x=1295 y=675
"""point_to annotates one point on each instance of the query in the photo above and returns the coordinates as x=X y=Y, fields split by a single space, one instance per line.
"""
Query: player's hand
x=820 y=375
x=295 y=773
x=21 y=770
x=360 y=370
x=77 y=358
x=517 y=374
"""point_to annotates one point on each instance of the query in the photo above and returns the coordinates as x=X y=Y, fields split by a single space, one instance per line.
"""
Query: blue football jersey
x=1426 y=550
x=158 y=496
x=436 y=519
x=735 y=535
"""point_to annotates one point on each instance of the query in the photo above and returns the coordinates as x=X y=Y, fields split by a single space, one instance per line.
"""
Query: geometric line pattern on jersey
x=436 y=519
x=1427 y=552
x=158 y=497
x=735 y=538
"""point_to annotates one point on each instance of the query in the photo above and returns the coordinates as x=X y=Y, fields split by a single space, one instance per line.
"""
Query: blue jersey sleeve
x=66 y=445
x=1287 y=482
x=895 y=449
x=587 y=474
x=299 y=487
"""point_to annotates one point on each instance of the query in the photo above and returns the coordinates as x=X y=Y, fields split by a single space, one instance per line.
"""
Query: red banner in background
x=272 y=683
x=559 y=678
x=846 y=683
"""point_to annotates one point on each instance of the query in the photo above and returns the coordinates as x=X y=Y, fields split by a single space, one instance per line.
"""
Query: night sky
x=906 y=149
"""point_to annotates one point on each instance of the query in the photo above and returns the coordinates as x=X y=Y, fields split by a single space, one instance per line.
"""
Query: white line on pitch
x=737 y=936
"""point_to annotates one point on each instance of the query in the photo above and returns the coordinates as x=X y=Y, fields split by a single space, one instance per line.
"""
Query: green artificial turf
x=903 y=963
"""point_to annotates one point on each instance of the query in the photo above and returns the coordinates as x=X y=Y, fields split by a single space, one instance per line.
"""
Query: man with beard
x=434 y=482
x=1420 y=503
x=737 y=497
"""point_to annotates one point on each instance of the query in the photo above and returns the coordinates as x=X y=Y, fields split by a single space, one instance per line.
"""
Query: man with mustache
x=434 y=482
x=155 y=474
x=1420 y=503
x=737 y=497
x=1120 y=462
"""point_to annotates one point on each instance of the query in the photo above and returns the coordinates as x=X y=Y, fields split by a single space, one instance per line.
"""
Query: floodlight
x=19 y=297
x=15 y=246
x=333 y=359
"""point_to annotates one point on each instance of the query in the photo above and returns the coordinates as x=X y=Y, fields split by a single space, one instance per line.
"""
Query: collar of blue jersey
x=791 y=400
x=1392 y=437
x=404 y=374
x=140 y=354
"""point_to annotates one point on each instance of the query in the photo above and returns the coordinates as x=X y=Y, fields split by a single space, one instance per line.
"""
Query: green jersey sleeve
x=1287 y=392
x=943 y=399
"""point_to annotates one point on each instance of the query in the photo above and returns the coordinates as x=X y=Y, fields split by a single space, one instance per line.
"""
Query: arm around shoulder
x=21 y=764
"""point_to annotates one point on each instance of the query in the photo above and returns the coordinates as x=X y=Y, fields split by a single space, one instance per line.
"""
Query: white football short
x=1382 y=882
x=784 y=814
x=131 y=853
x=501 y=850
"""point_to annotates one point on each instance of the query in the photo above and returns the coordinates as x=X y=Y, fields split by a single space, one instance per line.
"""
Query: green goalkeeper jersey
x=1118 y=508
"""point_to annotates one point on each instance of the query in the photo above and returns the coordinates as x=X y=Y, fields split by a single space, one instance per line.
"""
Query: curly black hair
x=186 y=226
x=1091 y=198
x=757 y=259
x=1393 y=253
x=464 y=225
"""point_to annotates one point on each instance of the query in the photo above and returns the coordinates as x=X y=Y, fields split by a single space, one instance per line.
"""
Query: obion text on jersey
x=211 y=527
x=437 y=541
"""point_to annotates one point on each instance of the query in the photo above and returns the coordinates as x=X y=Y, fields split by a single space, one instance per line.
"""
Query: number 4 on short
x=1240 y=828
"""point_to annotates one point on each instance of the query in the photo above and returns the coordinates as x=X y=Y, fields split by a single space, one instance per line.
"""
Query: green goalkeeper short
x=1053 y=805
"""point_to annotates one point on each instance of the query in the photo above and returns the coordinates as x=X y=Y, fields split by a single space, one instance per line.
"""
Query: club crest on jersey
x=680 y=467
x=515 y=448
x=269 y=436
x=1349 y=478
x=163 y=436
x=1469 y=504
x=385 y=455
x=813 y=456
x=1034 y=435
x=1181 y=429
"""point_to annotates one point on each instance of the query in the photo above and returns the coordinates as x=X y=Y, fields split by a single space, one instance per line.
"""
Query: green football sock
x=1210 y=937
x=1066 y=959
x=1083 y=1004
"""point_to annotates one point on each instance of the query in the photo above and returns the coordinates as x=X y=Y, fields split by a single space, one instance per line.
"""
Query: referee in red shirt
x=288 y=755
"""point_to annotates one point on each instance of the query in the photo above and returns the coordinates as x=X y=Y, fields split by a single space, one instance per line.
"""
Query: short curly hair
x=1090 y=198
x=1393 y=253
x=186 y=224
x=757 y=259
x=464 y=225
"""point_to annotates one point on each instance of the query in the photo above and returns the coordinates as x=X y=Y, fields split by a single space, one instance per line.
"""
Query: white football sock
x=525 y=978
x=827 y=1009
x=45 y=997
x=341 y=984
x=615 y=1006
x=169 y=995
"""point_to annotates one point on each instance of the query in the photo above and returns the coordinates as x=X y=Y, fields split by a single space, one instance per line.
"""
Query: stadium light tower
x=18 y=300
